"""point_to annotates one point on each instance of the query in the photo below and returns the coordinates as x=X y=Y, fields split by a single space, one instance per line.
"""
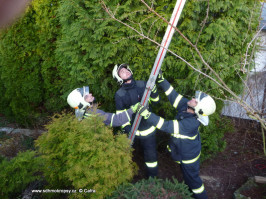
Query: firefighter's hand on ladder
x=154 y=89
x=160 y=77
x=144 y=112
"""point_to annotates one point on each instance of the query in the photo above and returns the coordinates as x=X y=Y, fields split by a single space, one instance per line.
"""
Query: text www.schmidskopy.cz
x=64 y=191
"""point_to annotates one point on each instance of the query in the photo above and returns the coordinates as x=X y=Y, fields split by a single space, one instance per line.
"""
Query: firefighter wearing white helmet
x=76 y=99
x=130 y=93
x=116 y=70
x=205 y=104
x=82 y=101
x=185 y=144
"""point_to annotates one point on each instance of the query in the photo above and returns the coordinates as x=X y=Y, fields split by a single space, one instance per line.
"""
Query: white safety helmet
x=76 y=98
x=205 y=106
x=116 y=71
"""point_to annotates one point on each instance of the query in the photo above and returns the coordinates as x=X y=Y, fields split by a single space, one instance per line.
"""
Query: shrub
x=85 y=155
x=153 y=189
x=212 y=136
x=17 y=173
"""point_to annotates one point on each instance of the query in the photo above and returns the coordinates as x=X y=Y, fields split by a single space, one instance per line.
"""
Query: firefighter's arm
x=175 y=99
x=120 y=107
x=124 y=117
x=158 y=122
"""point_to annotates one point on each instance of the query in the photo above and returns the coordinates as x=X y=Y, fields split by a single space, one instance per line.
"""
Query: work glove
x=154 y=98
x=160 y=77
x=135 y=107
x=144 y=112
x=154 y=89
x=87 y=115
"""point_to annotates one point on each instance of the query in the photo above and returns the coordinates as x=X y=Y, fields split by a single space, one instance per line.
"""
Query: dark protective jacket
x=114 y=120
x=130 y=94
x=185 y=144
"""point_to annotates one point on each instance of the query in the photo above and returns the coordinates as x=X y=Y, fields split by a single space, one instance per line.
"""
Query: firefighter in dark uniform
x=185 y=144
x=129 y=94
x=82 y=101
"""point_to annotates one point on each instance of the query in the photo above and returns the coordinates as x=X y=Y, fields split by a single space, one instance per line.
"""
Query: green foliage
x=61 y=45
x=28 y=71
x=153 y=189
x=2 y=158
x=212 y=136
x=85 y=155
x=17 y=173
x=48 y=29
x=20 y=78
x=223 y=43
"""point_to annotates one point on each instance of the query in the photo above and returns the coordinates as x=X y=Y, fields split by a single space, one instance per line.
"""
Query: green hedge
x=21 y=81
x=48 y=28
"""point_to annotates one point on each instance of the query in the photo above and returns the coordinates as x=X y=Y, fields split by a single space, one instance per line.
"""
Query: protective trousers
x=193 y=180
x=148 y=144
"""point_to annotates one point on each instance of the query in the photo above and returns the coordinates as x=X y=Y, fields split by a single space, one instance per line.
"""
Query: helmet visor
x=84 y=90
x=121 y=66
x=200 y=95
x=204 y=120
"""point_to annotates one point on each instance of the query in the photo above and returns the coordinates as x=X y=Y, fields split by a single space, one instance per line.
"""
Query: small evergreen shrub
x=153 y=189
x=17 y=173
x=212 y=136
x=85 y=155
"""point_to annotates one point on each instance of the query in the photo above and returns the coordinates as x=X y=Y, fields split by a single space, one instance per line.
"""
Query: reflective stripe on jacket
x=130 y=94
x=115 y=120
x=184 y=129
